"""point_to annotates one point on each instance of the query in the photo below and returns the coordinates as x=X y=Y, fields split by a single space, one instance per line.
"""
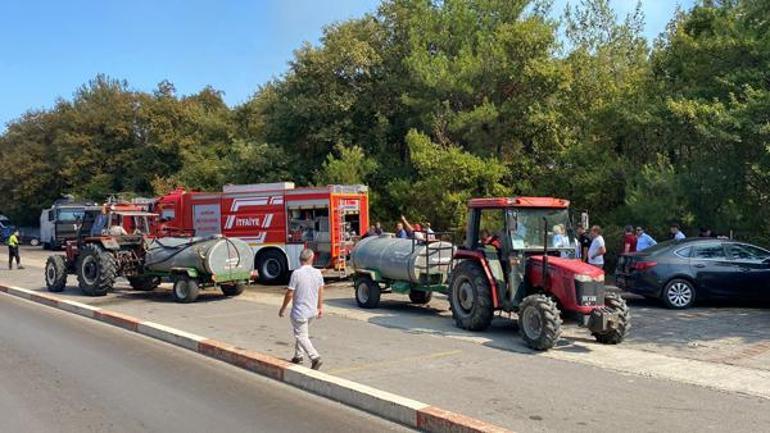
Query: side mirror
x=584 y=220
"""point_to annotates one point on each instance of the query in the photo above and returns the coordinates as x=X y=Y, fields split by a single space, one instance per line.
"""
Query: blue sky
x=50 y=47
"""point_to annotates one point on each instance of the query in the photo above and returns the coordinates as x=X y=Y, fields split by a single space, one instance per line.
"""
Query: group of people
x=591 y=247
x=405 y=230
x=639 y=240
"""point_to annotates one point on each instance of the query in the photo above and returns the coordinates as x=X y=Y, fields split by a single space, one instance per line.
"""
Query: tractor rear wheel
x=96 y=270
x=232 y=289
x=420 y=296
x=539 y=322
x=144 y=284
x=616 y=304
x=470 y=296
x=56 y=273
x=185 y=289
x=367 y=292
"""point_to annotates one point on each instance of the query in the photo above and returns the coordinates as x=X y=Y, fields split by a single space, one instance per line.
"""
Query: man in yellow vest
x=13 y=250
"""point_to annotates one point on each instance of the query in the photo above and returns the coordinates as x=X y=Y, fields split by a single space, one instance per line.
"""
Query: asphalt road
x=61 y=373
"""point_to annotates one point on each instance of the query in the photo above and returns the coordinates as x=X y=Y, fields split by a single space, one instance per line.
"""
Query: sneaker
x=20 y=267
x=316 y=364
x=297 y=360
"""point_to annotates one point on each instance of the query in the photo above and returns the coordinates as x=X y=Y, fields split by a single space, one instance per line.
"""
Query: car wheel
x=34 y=242
x=679 y=294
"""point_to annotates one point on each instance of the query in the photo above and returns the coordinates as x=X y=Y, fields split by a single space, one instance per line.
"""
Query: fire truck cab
x=277 y=220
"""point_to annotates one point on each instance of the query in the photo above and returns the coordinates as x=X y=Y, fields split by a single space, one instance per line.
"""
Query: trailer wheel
x=470 y=297
x=539 y=322
x=233 y=289
x=185 y=290
x=616 y=304
x=144 y=284
x=96 y=270
x=56 y=273
x=367 y=292
x=420 y=296
x=272 y=266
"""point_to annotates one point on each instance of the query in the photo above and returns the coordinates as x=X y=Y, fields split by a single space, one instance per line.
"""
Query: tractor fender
x=478 y=256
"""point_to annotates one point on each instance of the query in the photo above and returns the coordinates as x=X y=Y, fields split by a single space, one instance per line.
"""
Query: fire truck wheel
x=272 y=267
x=233 y=289
x=617 y=304
x=367 y=292
x=185 y=290
x=96 y=270
x=56 y=273
x=539 y=322
x=470 y=297
x=144 y=284
x=420 y=297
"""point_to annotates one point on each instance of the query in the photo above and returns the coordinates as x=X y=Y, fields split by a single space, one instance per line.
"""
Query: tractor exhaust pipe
x=545 y=254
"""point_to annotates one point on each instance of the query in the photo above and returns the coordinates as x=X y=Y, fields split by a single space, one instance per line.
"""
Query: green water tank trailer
x=215 y=255
x=402 y=259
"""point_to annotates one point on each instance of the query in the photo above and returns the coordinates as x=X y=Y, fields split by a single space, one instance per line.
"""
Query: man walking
x=643 y=240
x=13 y=250
x=305 y=292
x=597 y=250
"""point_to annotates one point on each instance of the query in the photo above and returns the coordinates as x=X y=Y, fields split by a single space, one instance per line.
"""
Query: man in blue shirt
x=643 y=240
x=400 y=232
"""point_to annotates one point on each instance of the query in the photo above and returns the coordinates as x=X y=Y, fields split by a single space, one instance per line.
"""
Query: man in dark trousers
x=584 y=242
x=13 y=250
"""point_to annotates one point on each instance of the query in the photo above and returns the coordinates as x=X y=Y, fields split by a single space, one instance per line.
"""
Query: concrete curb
x=392 y=407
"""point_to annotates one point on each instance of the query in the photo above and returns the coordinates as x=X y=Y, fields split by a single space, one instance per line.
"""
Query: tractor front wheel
x=470 y=296
x=618 y=305
x=56 y=273
x=367 y=292
x=185 y=289
x=539 y=322
x=96 y=270
x=420 y=297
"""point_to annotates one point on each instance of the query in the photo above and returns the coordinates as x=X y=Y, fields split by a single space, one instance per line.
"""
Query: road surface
x=62 y=373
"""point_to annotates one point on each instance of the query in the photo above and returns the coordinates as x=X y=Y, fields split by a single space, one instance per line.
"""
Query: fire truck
x=277 y=220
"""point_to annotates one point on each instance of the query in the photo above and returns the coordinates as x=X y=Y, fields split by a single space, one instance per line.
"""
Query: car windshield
x=528 y=228
x=71 y=215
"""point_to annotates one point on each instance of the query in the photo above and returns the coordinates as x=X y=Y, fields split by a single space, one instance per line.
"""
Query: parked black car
x=681 y=272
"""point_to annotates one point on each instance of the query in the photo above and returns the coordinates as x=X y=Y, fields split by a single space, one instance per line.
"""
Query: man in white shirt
x=305 y=292
x=676 y=233
x=597 y=250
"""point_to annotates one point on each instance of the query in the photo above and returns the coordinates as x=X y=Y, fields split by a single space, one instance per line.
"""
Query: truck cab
x=59 y=223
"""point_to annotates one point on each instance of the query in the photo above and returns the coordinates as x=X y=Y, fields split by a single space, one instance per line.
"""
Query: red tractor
x=110 y=243
x=516 y=258
x=523 y=266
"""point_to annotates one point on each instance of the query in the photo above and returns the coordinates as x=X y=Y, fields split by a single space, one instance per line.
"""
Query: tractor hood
x=571 y=266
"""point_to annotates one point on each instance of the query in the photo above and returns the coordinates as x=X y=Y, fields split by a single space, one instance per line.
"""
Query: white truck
x=58 y=224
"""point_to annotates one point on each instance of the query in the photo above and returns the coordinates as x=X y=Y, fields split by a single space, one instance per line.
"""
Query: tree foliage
x=433 y=102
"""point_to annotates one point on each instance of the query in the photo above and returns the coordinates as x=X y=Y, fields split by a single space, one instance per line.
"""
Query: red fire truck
x=276 y=219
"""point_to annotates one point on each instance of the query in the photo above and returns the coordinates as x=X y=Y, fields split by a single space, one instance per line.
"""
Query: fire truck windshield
x=528 y=229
